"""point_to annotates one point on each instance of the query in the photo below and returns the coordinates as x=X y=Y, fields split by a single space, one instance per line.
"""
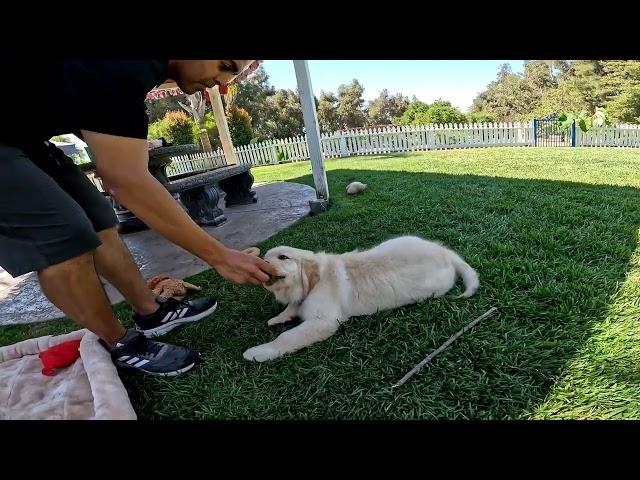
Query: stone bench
x=198 y=193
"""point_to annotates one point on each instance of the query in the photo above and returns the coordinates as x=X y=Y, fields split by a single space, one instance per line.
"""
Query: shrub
x=239 y=125
x=179 y=128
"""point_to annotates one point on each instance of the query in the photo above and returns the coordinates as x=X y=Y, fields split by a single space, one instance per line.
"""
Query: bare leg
x=74 y=287
x=114 y=262
x=287 y=315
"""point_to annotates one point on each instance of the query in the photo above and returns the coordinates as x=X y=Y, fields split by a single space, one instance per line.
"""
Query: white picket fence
x=623 y=135
x=195 y=162
x=389 y=139
x=395 y=139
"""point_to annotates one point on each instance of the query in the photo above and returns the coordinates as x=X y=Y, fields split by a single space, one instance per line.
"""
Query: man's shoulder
x=107 y=96
x=125 y=77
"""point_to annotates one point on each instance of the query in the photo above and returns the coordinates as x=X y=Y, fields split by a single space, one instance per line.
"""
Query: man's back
x=43 y=98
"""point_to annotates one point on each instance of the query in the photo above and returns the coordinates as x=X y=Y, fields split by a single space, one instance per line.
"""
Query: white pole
x=223 y=127
x=312 y=128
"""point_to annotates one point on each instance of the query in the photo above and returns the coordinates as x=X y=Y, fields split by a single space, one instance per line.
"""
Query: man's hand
x=241 y=267
x=123 y=165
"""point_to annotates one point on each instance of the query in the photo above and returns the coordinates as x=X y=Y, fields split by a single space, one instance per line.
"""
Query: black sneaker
x=172 y=313
x=136 y=351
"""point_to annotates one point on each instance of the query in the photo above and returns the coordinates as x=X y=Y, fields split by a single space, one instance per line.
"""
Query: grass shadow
x=551 y=256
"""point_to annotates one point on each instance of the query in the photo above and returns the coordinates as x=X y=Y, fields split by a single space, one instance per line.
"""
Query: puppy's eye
x=283 y=257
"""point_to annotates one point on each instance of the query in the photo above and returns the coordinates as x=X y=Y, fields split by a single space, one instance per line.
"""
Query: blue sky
x=458 y=81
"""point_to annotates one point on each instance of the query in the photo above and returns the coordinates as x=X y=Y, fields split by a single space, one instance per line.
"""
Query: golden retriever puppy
x=325 y=290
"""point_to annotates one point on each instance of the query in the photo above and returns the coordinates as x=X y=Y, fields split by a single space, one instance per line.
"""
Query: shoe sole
x=173 y=374
x=167 y=327
x=159 y=374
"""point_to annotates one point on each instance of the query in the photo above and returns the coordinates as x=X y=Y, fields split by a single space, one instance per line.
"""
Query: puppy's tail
x=469 y=275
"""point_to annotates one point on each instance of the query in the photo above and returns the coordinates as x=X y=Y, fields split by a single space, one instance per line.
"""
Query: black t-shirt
x=43 y=98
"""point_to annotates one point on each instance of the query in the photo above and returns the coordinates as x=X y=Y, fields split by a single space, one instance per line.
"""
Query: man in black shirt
x=54 y=221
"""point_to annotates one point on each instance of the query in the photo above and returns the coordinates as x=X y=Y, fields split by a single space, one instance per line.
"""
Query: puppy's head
x=298 y=273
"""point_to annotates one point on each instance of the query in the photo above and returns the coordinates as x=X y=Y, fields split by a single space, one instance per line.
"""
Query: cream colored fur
x=325 y=290
x=356 y=187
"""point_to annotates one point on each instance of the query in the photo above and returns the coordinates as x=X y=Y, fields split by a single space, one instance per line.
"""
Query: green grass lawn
x=553 y=234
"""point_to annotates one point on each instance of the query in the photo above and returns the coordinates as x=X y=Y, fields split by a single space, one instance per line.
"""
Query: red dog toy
x=59 y=356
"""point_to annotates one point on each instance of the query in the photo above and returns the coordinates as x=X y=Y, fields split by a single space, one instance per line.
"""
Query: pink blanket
x=90 y=389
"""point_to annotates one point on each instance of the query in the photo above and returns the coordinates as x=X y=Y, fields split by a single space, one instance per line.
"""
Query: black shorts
x=49 y=210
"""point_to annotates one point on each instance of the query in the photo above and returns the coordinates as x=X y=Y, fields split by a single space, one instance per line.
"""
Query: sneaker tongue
x=128 y=337
x=150 y=347
x=144 y=345
x=161 y=300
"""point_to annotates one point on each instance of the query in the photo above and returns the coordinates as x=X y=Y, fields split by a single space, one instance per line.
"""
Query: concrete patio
x=279 y=206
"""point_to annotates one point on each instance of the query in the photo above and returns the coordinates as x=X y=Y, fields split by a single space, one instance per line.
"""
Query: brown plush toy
x=168 y=287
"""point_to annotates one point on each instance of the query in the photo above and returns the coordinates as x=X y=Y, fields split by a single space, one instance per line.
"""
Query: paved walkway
x=279 y=206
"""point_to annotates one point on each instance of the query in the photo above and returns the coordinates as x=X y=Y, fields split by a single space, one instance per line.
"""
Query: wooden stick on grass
x=451 y=339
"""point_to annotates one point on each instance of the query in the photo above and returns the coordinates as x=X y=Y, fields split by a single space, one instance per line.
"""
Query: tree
x=212 y=130
x=252 y=95
x=620 y=87
x=563 y=98
x=618 y=76
x=482 y=117
x=586 y=82
x=196 y=106
x=157 y=109
x=415 y=111
x=385 y=109
x=562 y=69
x=504 y=72
x=625 y=108
x=328 y=112
x=442 y=112
x=239 y=125
x=178 y=128
x=350 y=105
x=504 y=96
x=285 y=119
x=513 y=97
x=553 y=86
x=419 y=113
x=540 y=75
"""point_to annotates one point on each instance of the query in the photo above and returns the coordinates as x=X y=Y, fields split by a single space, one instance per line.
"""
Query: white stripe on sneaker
x=167 y=317
x=133 y=360
x=167 y=327
x=124 y=357
x=183 y=312
x=141 y=363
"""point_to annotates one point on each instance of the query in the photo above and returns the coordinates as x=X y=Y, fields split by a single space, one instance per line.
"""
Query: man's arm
x=122 y=163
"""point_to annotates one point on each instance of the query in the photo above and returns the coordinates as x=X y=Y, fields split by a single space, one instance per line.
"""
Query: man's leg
x=74 y=287
x=153 y=316
x=114 y=262
x=43 y=229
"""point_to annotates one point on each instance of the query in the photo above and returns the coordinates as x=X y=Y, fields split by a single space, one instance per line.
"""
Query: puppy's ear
x=310 y=275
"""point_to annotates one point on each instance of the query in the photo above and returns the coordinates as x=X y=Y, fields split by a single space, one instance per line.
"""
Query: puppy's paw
x=261 y=353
